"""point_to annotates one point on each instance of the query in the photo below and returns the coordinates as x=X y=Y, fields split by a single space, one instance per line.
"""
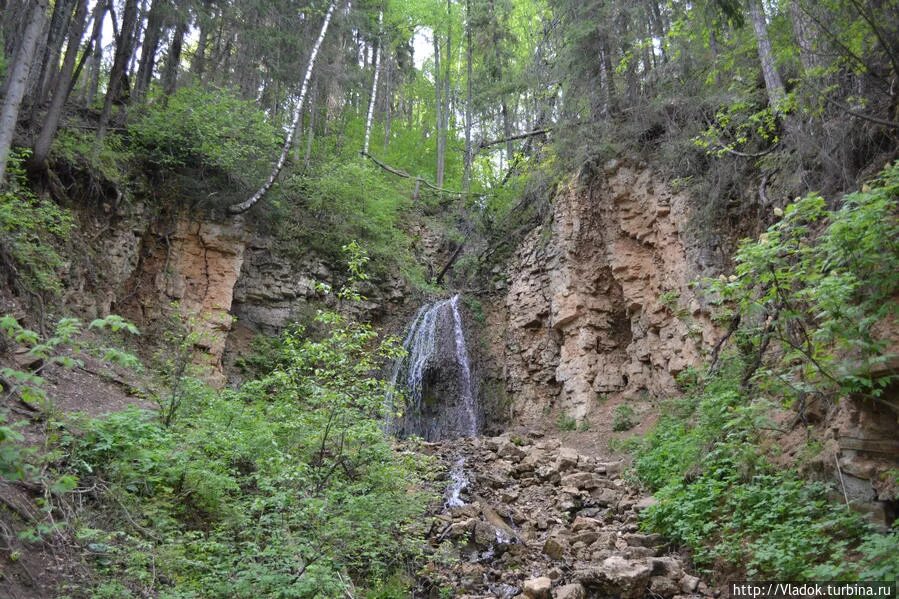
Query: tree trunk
x=149 y=46
x=96 y=58
x=198 y=62
x=18 y=80
x=388 y=101
x=310 y=132
x=97 y=20
x=173 y=60
x=62 y=11
x=297 y=113
x=773 y=83
x=466 y=175
x=61 y=91
x=803 y=33
x=438 y=92
x=119 y=64
x=374 y=86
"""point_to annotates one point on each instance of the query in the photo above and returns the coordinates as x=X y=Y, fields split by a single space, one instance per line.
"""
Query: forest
x=318 y=298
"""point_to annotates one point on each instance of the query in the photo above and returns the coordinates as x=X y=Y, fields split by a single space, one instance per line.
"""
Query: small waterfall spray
x=425 y=369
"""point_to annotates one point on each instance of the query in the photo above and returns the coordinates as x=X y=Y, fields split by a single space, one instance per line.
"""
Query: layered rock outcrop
x=197 y=265
x=599 y=299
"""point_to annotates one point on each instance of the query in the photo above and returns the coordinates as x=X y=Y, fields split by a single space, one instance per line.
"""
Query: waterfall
x=436 y=375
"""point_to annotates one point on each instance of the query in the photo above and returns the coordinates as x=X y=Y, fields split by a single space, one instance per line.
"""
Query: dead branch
x=496 y=142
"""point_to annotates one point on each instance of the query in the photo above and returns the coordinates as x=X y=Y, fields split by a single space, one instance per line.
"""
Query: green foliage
x=809 y=293
x=623 y=418
x=206 y=128
x=32 y=229
x=64 y=348
x=566 y=423
x=110 y=160
x=817 y=282
x=14 y=464
x=286 y=487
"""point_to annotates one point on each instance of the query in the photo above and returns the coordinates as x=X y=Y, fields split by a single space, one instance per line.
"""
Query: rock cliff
x=599 y=299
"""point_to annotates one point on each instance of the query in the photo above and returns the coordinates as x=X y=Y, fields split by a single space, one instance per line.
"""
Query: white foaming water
x=458 y=482
x=464 y=366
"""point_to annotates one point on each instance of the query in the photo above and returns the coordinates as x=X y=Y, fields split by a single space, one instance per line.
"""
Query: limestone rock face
x=195 y=264
x=598 y=300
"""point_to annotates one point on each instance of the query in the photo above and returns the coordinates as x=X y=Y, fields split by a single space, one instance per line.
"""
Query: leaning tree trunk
x=374 y=87
x=18 y=80
x=773 y=83
x=61 y=88
x=297 y=113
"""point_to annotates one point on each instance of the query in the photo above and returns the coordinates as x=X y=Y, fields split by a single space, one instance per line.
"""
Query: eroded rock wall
x=599 y=299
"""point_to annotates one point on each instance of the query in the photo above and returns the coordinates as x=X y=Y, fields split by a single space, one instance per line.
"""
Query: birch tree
x=297 y=113
x=374 y=85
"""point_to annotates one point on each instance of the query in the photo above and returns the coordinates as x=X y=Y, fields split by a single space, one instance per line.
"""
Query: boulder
x=553 y=548
x=538 y=588
x=567 y=460
x=618 y=576
x=570 y=591
x=646 y=502
x=582 y=480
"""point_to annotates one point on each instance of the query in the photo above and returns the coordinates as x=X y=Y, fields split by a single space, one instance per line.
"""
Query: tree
x=18 y=79
x=374 y=86
x=773 y=83
x=124 y=44
x=297 y=113
x=62 y=86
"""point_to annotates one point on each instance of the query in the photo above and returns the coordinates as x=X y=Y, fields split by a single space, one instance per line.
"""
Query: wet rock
x=484 y=535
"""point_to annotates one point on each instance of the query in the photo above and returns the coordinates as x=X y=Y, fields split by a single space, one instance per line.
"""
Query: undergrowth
x=286 y=487
x=804 y=306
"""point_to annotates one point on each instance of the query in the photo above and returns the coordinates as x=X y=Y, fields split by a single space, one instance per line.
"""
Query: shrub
x=566 y=422
x=209 y=128
x=32 y=229
x=286 y=487
x=808 y=293
x=623 y=418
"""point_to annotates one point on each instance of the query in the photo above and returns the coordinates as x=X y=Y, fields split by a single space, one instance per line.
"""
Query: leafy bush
x=623 y=418
x=32 y=229
x=808 y=294
x=816 y=283
x=209 y=128
x=286 y=487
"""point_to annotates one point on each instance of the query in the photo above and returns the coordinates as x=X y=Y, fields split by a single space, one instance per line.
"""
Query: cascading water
x=436 y=374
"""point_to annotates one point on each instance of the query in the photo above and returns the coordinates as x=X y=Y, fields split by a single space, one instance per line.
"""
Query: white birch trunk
x=374 y=87
x=297 y=113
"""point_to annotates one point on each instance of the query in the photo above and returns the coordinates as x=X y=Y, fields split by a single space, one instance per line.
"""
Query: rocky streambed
x=524 y=516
